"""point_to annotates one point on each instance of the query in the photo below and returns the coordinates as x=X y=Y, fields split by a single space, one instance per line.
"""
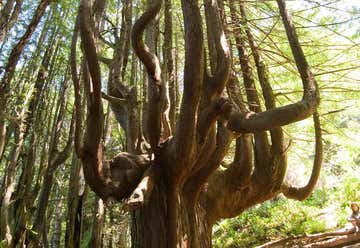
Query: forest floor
x=345 y=237
x=341 y=238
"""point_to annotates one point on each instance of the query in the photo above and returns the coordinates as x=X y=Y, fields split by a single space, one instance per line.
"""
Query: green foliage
x=285 y=218
x=272 y=220
x=318 y=199
x=86 y=239
x=3 y=244
x=351 y=189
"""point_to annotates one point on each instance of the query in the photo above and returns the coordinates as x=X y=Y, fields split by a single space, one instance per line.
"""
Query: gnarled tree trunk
x=176 y=191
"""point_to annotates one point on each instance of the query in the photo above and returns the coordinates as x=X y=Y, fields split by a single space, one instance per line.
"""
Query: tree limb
x=150 y=60
x=301 y=193
x=95 y=173
x=193 y=79
x=261 y=142
x=152 y=65
x=256 y=122
x=113 y=99
x=223 y=63
x=77 y=98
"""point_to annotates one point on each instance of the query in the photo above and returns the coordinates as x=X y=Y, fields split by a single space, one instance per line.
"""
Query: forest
x=179 y=123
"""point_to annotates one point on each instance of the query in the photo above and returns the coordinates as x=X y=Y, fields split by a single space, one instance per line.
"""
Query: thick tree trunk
x=148 y=225
x=151 y=224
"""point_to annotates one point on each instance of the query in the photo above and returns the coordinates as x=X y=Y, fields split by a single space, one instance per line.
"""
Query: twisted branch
x=150 y=60
x=152 y=65
x=301 y=193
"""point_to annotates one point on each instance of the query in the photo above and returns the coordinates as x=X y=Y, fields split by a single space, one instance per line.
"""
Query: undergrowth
x=283 y=218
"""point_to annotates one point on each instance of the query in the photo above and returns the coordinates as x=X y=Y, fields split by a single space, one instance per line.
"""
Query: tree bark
x=75 y=200
x=98 y=223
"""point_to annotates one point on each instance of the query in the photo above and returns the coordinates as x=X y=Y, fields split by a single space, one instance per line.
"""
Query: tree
x=175 y=191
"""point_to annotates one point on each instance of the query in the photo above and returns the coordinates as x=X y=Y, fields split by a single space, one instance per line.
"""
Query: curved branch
x=96 y=176
x=223 y=57
x=301 y=193
x=309 y=83
x=277 y=142
x=215 y=85
x=262 y=147
x=150 y=60
x=193 y=79
x=256 y=122
x=88 y=42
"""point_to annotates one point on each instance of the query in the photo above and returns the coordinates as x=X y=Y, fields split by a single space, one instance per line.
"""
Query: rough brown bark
x=114 y=178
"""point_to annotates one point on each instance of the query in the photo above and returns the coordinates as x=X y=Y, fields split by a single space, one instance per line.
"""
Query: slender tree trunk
x=23 y=194
x=57 y=220
x=55 y=159
x=98 y=223
x=75 y=202
x=33 y=123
